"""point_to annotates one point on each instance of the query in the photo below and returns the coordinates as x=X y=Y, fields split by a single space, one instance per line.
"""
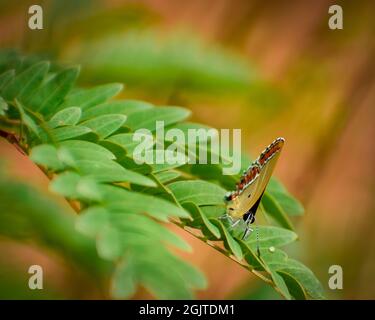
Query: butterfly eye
x=249 y=195
x=228 y=197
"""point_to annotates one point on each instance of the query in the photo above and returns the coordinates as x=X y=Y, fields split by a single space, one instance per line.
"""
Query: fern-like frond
x=82 y=139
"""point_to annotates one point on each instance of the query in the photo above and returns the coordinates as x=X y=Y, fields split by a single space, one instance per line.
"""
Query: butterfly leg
x=226 y=216
x=247 y=233
x=232 y=222
x=249 y=220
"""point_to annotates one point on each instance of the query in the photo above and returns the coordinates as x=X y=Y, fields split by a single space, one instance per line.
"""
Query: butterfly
x=243 y=202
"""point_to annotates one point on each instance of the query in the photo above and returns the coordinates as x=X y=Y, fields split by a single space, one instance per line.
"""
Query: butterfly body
x=243 y=202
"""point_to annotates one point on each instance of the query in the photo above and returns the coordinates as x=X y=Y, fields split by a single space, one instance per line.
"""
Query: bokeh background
x=271 y=68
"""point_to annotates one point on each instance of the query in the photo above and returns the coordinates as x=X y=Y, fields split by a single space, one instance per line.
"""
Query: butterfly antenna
x=257 y=239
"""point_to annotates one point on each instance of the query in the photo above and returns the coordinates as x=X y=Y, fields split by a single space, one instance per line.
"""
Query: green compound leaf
x=6 y=78
x=109 y=243
x=251 y=257
x=274 y=209
x=3 y=107
x=49 y=96
x=66 y=117
x=287 y=202
x=69 y=132
x=200 y=219
x=25 y=83
x=111 y=171
x=146 y=119
x=229 y=242
x=66 y=184
x=130 y=222
x=295 y=288
x=281 y=285
x=167 y=176
x=87 y=144
x=80 y=149
x=302 y=276
x=124 y=282
x=270 y=236
x=119 y=198
x=46 y=155
x=73 y=186
x=105 y=125
x=162 y=281
x=27 y=120
x=129 y=142
x=198 y=192
x=85 y=98
x=124 y=107
x=91 y=220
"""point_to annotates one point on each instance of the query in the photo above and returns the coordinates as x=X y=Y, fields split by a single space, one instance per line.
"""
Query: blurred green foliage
x=28 y=216
x=164 y=63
